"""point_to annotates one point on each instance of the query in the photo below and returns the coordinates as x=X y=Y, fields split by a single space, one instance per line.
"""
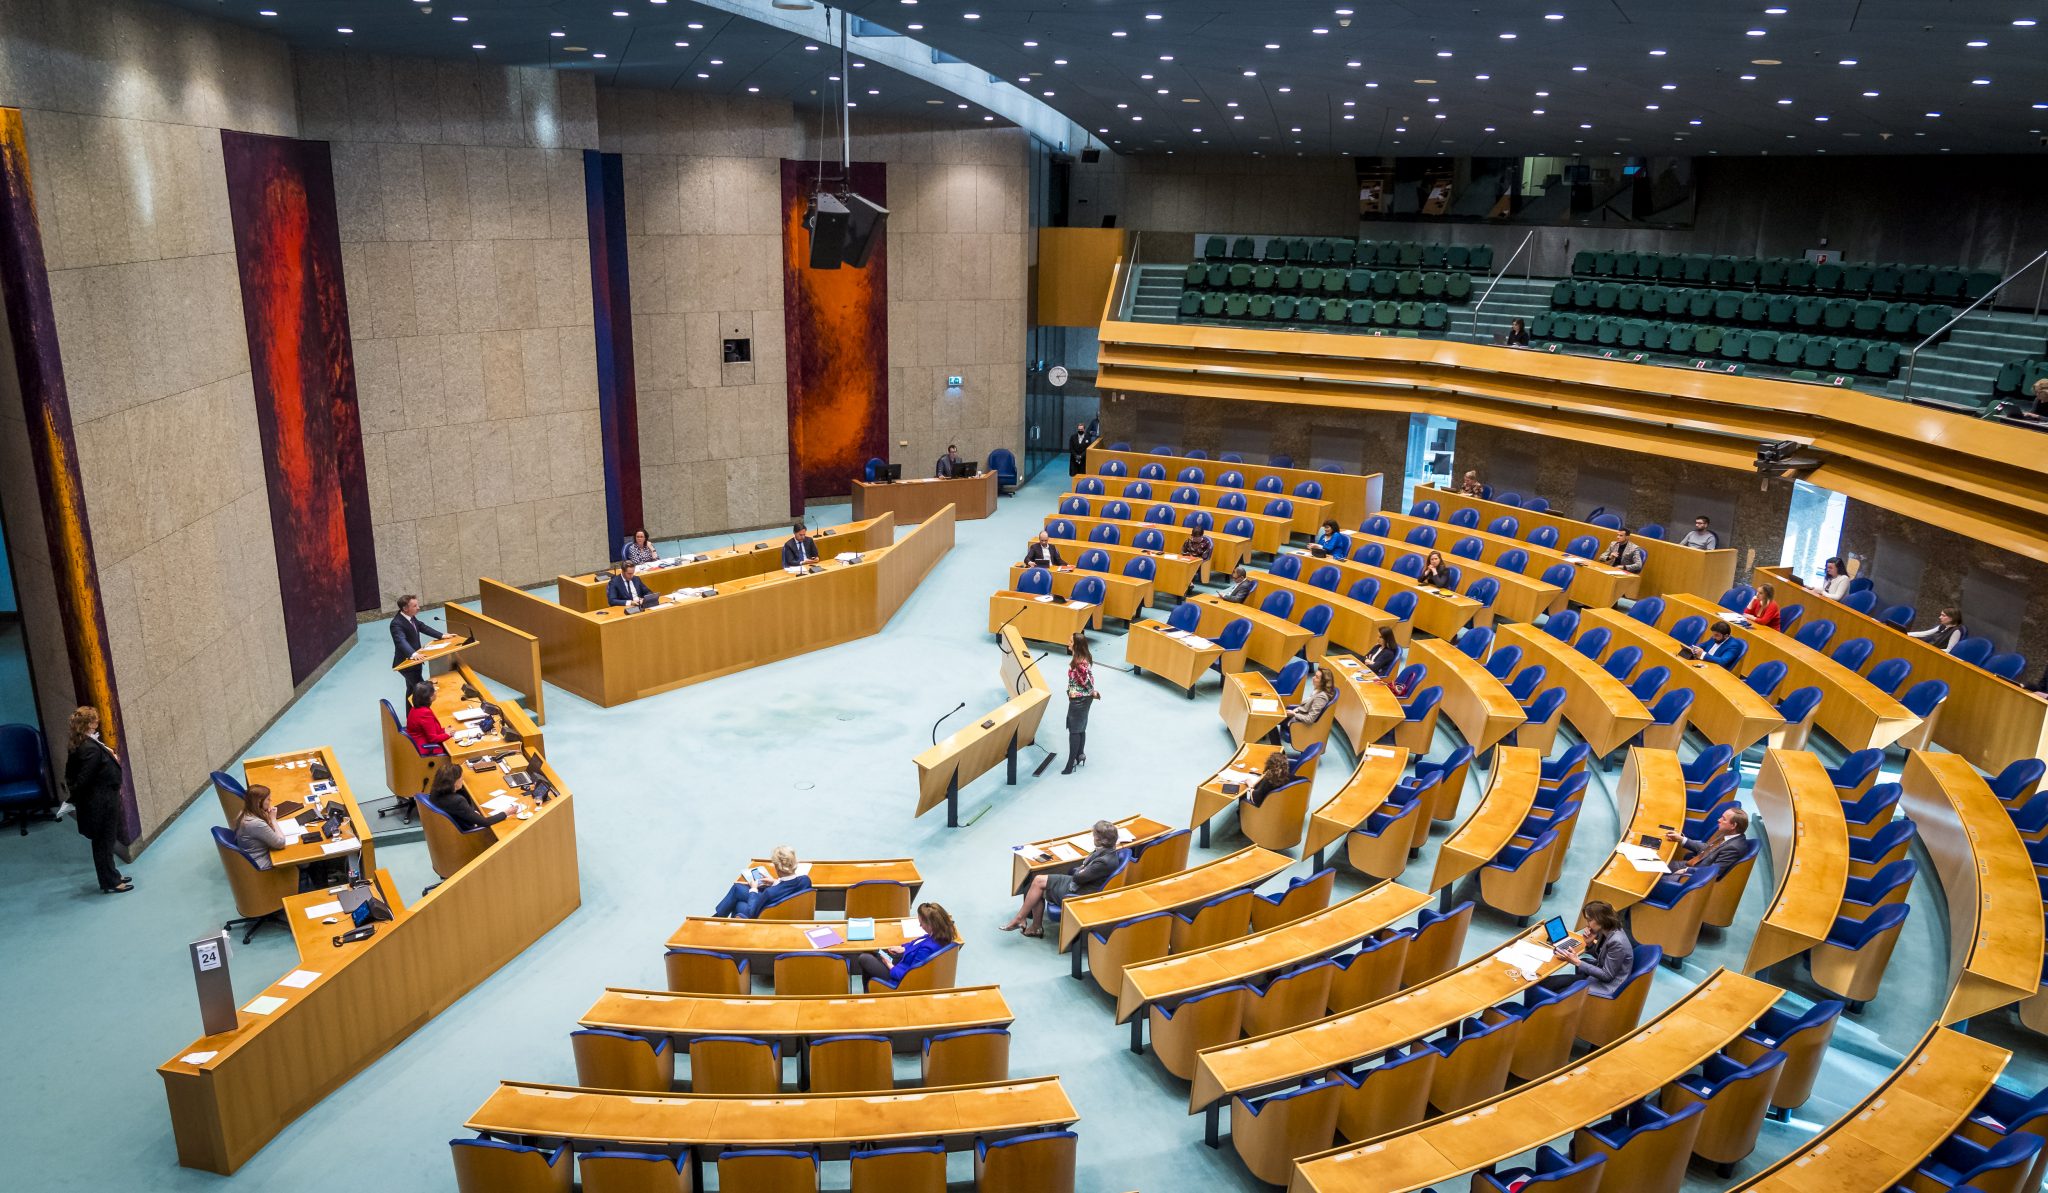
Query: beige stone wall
x=466 y=255
x=703 y=194
x=123 y=104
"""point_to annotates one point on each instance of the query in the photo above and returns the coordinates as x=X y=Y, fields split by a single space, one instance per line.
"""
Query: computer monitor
x=889 y=472
x=967 y=468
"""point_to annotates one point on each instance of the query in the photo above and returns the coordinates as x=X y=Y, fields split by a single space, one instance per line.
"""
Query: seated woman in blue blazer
x=893 y=964
x=755 y=893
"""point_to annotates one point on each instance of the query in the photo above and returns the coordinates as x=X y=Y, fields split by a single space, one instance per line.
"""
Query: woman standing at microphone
x=1081 y=696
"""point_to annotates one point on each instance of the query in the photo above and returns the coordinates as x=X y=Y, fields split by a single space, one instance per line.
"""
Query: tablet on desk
x=1554 y=929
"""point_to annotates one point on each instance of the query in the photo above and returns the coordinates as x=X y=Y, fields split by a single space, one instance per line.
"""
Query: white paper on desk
x=1199 y=643
x=911 y=929
x=264 y=1005
x=503 y=803
x=1649 y=865
x=1637 y=853
x=320 y=909
x=848 y=557
x=1175 y=633
x=345 y=845
x=1378 y=752
x=1080 y=604
x=1046 y=599
x=198 y=1058
x=1265 y=706
x=470 y=714
x=1524 y=955
x=1124 y=836
x=298 y=979
x=803 y=869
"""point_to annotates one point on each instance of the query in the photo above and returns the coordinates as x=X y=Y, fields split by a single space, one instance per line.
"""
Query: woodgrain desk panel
x=1501 y=811
x=908 y=500
x=1122 y=596
x=1309 y=512
x=1354 y=625
x=1438 y=612
x=1476 y=702
x=1269 y=531
x=1725 y=709
x=1274 y=639
x=1667 y=567
x=1351 y=495
x=1379 y=769
x=1248 y=867
x=1593 y=584
x=1367 y=709
x=1598 y=705
x=1059 y=855
x=1809 y=840
x=904 y=1016
x=585 y=592
x=1226 y=551
x=1649 y=798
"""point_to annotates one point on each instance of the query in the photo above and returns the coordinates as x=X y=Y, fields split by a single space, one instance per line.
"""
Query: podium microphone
x=942 y=720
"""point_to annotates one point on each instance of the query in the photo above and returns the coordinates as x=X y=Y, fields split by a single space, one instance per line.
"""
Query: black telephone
x=354 y=934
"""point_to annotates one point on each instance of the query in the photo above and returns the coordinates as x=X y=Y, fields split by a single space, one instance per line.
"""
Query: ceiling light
x=1507 y=37
x=1579 y=70
x=1749 y=78
x=1251 y=74
x=478 y=46
x=1976 y=45
x=1272 y=45
x=1347 y=116
x=718 y=62
x=1030 y=45
x=267 y=13
x=1345 y=12
x=620 y=12
x=1980 y=82
x=1293 y=130
x=872 y=91
x=1350 y=103
x=1230 y=103
x=696 y=24
x=1542 y=95
x=1137 y=120
x=1425 y=82
x=1162 y=91
x=1774 y=12
x=1757 y=32
x=1693 y=122
x=1059 y=62
x=1401 y=130
x=1153 y=16
x=1482 y=78
x=913 y=27
x=1119 y=33
x=1369 y=86
x=1440 y=116
x=1548 y=16
x=970 y=16
x=1783 y=102
x=559 y=33
x=1121 y=107
x=1535 y=111
x=757 y=91
x=1934 y=115
x=1443 y=53
x=1656 y=53
x=2024 y=23
x=1240 y=116
x=1820 y=120
x=1145 y=78
x=1649 y=107
x=1585 y=126
x=1319 y=31
x=1354 y=64
x=1047 y=94
x=1166 y=57
x=344 y=29
x=1870 y=95
x=1846 y=62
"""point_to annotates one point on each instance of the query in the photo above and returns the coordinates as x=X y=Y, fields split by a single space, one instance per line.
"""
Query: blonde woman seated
x=1085 y=879
x=758 y=890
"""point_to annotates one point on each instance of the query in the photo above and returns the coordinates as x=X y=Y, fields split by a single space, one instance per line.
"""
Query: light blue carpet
x=672 y=793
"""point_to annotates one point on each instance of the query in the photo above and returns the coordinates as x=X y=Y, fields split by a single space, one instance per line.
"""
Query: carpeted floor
x=673 y=792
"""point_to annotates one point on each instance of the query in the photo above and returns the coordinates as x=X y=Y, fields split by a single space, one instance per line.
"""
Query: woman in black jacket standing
x=92 y=776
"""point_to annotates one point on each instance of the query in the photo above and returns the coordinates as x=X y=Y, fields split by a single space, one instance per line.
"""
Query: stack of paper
x=1265 y=706
x=1525 y=955
x=502 y=803
x=822 y=938
x=1046 y=599
x=1199 y=643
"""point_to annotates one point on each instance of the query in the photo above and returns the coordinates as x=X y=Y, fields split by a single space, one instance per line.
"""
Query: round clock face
x=1057 y=375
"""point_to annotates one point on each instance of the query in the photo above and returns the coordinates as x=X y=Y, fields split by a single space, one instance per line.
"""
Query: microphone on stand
x=942 y=720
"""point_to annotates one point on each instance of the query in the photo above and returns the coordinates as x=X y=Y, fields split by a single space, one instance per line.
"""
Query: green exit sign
x=953 y=382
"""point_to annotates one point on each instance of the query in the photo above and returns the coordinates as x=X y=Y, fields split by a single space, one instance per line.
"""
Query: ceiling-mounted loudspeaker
x=1091 y=156
x=827 y=222
x=864 y=222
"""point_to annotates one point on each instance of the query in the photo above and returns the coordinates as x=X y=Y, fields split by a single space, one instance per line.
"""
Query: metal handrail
x=1127 y=278
x=1913 y=357
x=1504 y=267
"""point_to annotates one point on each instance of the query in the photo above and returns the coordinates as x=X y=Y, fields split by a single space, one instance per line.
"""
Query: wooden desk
x=1991 y=721
x=1226 y=551
x=1649 y=799
x=1438 y=612
x=1379 y=769
x=1248 y=867
x=1476 y=702
x=761 y=941
x=1122 y=596
x=966 y=754
x=1367 y=709
x=290 y=778
x=1599 y=1084
x=1593 y=584
x=365 y=998
x=1667 y=567
x=1501 y=811
x=407 y=771
x=1351 y=496
x=1171 y=574
x=1243 y=768
x=905 y=1017
x=1250 y=707
x=831 y=879
x=1879 y=1141
x=1269 y=531
x=1041 y=618
x=1852 y=710
x=1987 y=879
x=908 y=500
x=1309 y=512
x=1249 y=1067
x=440 y=650
x=708 y=569
x=1324 y=933
x=1809 y=840
x=1724 y=708
x=1521 y=597
x=1059 y=855
x=1354 y=624
x=1149 y=648
x=609 y=659
x=1273 y=641
x=1598 y=705
x=953 y=1115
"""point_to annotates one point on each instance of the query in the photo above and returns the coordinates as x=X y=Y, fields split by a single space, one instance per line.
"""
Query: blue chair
x=1371 y=555
x=1537 y=505
x=1923 y=699
x=1184 y=617
x=1788 y=617
x=491 y=1165
x=1861 y=601
x=1961 y=1164
x=1114 y=468
x=874 y=465
x=2019 y=781
x=1506 y=525
x=1185 y=495
x=1544 y=537
x=1765 y=677
x=1853 y=653
x=1736 y=1096
x=1087 y=591
x=1651 y=531
x=1075 y=507
x=2004 y=1111
x=1501 y=663
x=613 y=1168
x=1232 y=640
x=1279 y=604
x=1317 y=621
x=1889 y=844
x=1814 y=635
x=1366 y=589
x=1484 y=590
x=1091 y=486
x=1585 y=547
x=1269 y=484
x=1421 y=536
x=1737 y=599
x=1191 y=475
x=1562 y=625
x=1401 y=606
x=1035 y=582
x=1860 y=584
x=1239 y=526
x=1325 y=577
x=1621 y=664
x=1897 y=616
x=1687 y=630
x=1232 y=479
x=1609 y=1017
x=1117 y=510
x=1803 y=1038
x=1280 y=460
x=1060 y=528
x=1554 y=771
x=1279 y=507
x=1891 y=884
x=1850 y=963
x=1288 y=681
x=1974 y=651
x=1856 y=773
x=1641 y=1130
x=1094 y=559
x=1560 y=575
x=1872 y=812
x=1119 y=446
x=1111 y=535
x=1540 y=710
x=1152 y=472
x=1712 y=796
x=1137 y=491
x=1707 y=764
x=1474 y=642
x=1508 y=498
x=1796 y=708
x=1160 y=515
x=1649 y=683
x=2006 y=666
x=1466 y=548
x=1889 y=674
x=259 y=889
x=1409 y=566
x=1309 y=490
x=918 y=976
x=1233 y=502
x=1554 y=1172
x=1141 y=568
x=1467 y=518
x=1201 y=518
x=1594 y=641
x=26 y=786
x=1149 y=539
x=1606 y=521
x=1377 y=526
x=1647 y=610
x=1425 y=509
x=1003 y=463
x=1287 y=567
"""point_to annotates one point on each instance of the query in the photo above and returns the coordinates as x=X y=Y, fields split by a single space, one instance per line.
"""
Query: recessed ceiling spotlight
x=1649 y=107
x=718 y=62
x=2038 y=107
x=1198 y=130
x=1784 y=102
x=970 y=16
x=1030 y=45
x=1820 y=120
x=696 y=24
x=1319 y=32
x=1239 y=116
x=1286 y=90
x=1489 y=128
x=757 y=91
x=1578 y=70
x=913 y=27
x=1059 y=62
x=1425 y=82
x=620 y=12
x=2024 y=23
x=1137 y=120
x=1121 y=107
x=1272 y=45
x=1402 y=129
x=1119 y=33
x=1166 y=57
x=1507 y=37
x=1870 y=95
x=1440 y=116
x=1756 y=32
x=812 y=49
x=1251 y=74
x=1535 y=111
x=1548 y=16
x=1293 y=130
x=1670 y=87
x=1443 y=53
x=1846 y=62
x=1345 y=12
x=1162 y=91
x=1230 y=103
x=1144 y=78
x=1693 y=122
x=1976 y=45
x=559 y=33
x=1774 y=12
x=1542 y=95
x=477 y=45
x=1369 y=86
x=1350 y=103
x=1980 y=82
x=1585 y=126
x=1153 y=16
x=458 y=19
x=344 y=29
x=1354 y=64
x=1749 y=78
x=1934 y=115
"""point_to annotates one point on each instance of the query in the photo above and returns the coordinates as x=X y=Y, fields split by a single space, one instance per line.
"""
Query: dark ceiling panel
x=1364 y=77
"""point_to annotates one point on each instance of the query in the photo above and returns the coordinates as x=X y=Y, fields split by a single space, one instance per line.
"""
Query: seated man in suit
x=1042 y=554
x=949 y=460
x=628 y=589
x=1623 y=553
x=800 y=551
